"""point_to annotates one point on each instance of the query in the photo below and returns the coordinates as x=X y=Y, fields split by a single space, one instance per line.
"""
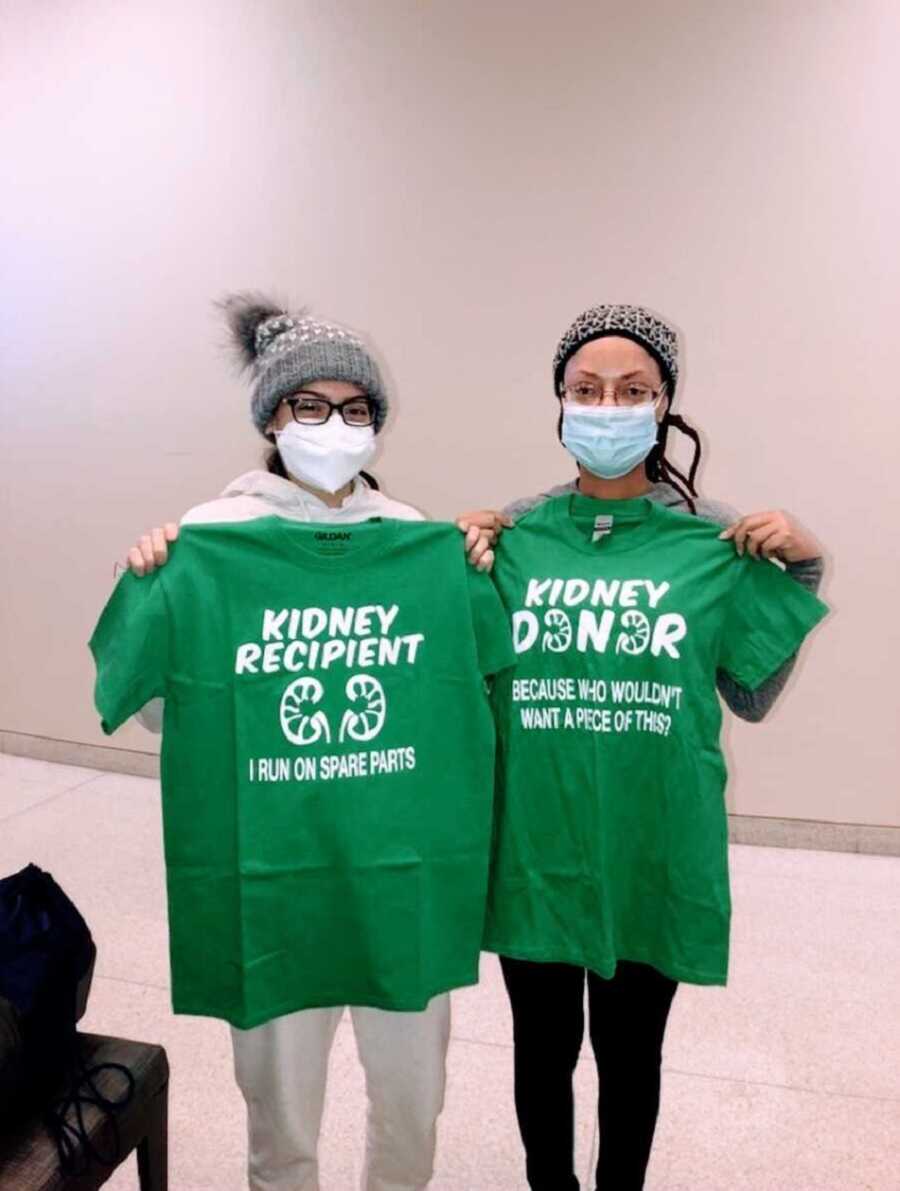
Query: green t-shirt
x=327 y=758
x=611 y=831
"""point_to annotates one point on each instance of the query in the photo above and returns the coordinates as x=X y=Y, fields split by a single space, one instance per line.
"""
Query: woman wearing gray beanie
x=610 y=862
x=320 y=400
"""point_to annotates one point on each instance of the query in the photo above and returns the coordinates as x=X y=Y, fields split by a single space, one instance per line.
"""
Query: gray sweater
x=749 y=705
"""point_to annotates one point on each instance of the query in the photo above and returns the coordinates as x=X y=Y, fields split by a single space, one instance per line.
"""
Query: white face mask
x=327 y=456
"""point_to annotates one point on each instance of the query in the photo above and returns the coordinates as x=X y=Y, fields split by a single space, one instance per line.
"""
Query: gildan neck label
x=333 y=543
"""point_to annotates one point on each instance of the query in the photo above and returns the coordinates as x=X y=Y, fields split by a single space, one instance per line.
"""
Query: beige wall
x=460 y=179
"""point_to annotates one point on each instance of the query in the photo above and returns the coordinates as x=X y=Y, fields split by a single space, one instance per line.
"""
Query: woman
x=610 y=862
x=320 y=400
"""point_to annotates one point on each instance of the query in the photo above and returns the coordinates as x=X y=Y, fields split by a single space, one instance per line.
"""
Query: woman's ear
x=663 y=408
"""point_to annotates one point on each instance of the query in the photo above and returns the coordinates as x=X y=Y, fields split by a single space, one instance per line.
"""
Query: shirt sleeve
x=493 y=636
x=131 y=649
x=768 y=617
x=754 y=706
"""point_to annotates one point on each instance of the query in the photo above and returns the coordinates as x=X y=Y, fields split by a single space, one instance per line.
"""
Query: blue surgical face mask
x=610 y=441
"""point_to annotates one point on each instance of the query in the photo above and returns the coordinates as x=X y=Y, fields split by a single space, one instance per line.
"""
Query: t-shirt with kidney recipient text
x=327 y=758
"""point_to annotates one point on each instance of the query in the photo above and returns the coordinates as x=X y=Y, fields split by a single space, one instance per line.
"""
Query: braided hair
x=663 y=470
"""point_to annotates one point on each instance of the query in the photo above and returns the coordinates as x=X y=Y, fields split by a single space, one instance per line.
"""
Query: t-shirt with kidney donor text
x=611 y=831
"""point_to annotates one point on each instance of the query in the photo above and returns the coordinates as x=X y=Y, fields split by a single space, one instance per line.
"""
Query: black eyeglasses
x=309 y=409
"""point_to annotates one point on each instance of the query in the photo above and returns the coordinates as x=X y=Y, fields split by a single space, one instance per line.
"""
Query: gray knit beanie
x=631 y=322
x=286 y=351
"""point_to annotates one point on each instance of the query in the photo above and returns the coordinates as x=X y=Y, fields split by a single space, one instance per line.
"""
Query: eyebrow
x=335 y=400
x=624 y=376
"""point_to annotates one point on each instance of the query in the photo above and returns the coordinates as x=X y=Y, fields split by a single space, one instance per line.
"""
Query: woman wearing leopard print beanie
x=629 y=608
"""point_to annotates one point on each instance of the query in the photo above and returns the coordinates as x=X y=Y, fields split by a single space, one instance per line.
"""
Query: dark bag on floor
x=46 y=957
x=46 y=964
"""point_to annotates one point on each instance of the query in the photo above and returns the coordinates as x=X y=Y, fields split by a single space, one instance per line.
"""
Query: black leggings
x=627 y=1022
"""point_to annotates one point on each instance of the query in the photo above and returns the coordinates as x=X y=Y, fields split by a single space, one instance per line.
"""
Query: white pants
x=281 y=1068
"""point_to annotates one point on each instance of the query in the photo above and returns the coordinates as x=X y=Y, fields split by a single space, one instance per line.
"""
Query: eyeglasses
x=629 y=393
x=311 y=410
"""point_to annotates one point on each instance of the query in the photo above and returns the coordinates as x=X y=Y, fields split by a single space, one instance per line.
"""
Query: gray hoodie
x=749 y=705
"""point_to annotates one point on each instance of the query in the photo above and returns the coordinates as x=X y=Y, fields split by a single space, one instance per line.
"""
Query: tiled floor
x=788 y=1080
